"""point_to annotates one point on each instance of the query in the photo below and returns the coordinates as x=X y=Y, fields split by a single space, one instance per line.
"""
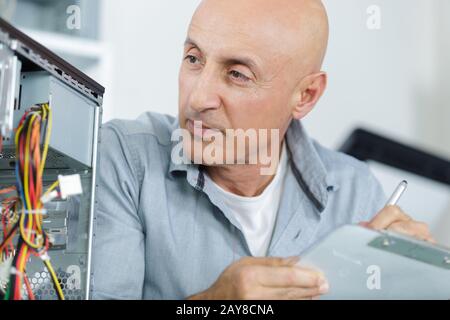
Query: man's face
x=238 y=70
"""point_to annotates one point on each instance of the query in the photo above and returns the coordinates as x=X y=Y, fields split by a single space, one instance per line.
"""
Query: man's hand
x=394 y=219
x=266 y=279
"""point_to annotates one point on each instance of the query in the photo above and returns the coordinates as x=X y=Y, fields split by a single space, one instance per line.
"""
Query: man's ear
x=311 y=89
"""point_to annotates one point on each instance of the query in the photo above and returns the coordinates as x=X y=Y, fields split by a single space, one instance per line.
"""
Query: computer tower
x=31 y=75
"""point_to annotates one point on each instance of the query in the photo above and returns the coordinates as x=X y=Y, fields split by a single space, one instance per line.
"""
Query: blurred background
x=388 y=64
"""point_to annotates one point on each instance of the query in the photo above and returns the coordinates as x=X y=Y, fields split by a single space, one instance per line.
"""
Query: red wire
x=27 y=284
x=8 y=223
x=24 y=276
x=15 y=204
x=31 y=187
x=22 y=120
x=21 y=152
x=5 y=233
x=17 y=287
x=5 y=224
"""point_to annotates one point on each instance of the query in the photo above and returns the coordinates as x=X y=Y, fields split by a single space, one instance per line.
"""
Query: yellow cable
x=47 y=138
x=18 y=131
x=24 y=237
x=44 y=111
x=55 y=279
x=50 y=189
x=47 y=114
x=26 y=190
x=26 y=193
x=26 y=163
x=22 y=263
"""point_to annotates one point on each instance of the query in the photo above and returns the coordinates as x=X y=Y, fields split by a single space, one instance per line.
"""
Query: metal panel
x=40 y=56
x=73 y=114
x=9 y=89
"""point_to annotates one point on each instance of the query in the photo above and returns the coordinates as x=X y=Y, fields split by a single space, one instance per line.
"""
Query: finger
x=388 y=216
x=289 y=293
x=411 y=228
x=364 y=224
x=292 y=261
x=266 y=261
x=289 y=277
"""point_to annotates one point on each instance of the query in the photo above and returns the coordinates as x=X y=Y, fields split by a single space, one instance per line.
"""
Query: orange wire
x=7 y=190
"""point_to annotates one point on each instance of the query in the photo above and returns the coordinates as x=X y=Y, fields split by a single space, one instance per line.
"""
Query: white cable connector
x=41 y=211
x=49 y=197
x=51 y=238
x=70 y=185
x=5 y=269
x=44 y=256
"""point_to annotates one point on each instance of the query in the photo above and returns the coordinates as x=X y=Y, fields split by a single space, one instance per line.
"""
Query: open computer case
x=31 y=75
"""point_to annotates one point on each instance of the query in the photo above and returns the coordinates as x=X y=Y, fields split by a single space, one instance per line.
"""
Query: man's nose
x=205 y=94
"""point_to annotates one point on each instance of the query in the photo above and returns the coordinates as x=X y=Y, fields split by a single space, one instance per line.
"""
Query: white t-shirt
x=257 y=215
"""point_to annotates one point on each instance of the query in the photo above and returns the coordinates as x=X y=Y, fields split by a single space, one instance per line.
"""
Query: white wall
x=442 y=67
x=145 y=40
x=383 y=79
x=390 y=80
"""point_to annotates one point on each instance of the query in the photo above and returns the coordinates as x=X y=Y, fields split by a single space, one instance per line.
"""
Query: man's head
x=253 y=63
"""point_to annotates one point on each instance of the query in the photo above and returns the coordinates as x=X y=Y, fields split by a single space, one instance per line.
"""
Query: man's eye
x=238 y=76
x=192 y=59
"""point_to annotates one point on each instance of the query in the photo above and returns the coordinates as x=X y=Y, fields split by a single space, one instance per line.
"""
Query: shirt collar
x=306 y=164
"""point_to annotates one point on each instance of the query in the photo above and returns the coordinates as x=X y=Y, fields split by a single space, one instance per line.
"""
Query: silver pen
x=395 y=197
x=392 y=201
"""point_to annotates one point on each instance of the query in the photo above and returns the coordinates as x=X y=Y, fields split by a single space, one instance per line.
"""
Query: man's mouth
x=199 y=129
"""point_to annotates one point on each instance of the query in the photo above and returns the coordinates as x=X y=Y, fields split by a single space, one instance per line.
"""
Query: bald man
x=214 y=225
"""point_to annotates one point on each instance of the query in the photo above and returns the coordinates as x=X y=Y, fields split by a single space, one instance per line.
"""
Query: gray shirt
x=161 y=232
